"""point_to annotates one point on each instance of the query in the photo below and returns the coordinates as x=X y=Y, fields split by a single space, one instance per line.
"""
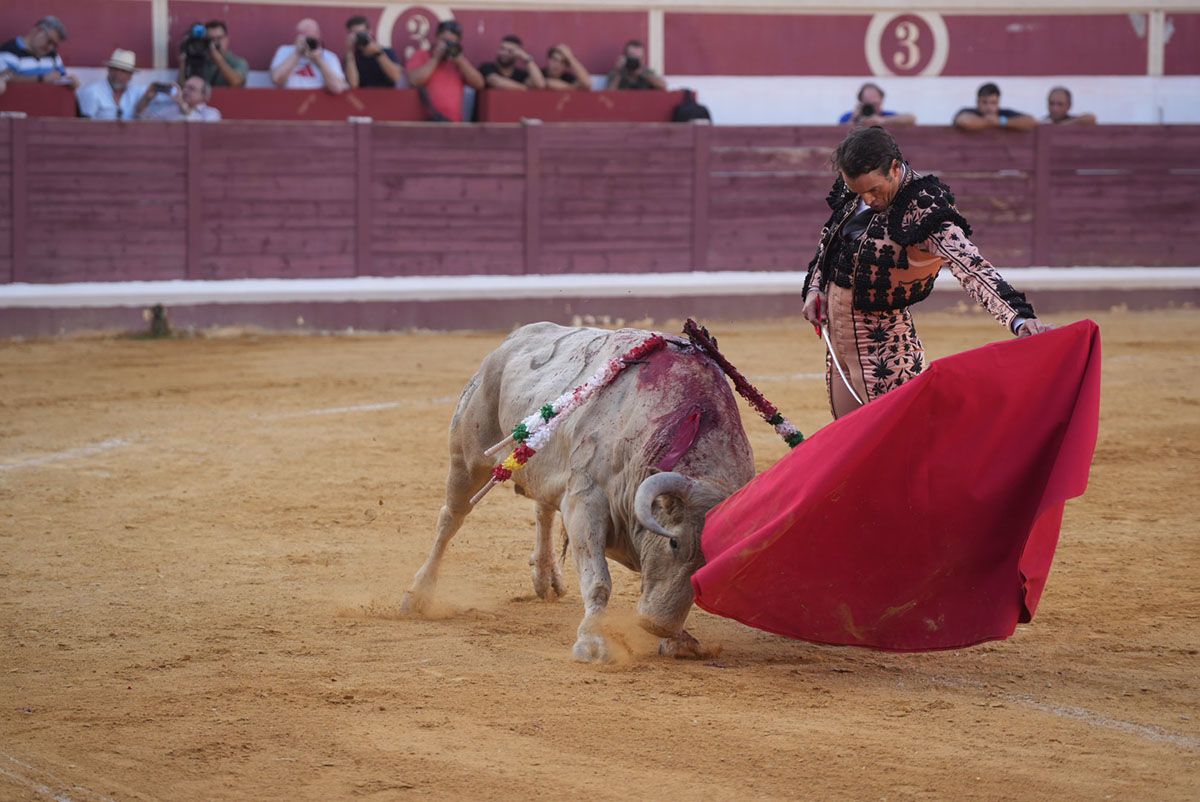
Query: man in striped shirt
x=34 y=57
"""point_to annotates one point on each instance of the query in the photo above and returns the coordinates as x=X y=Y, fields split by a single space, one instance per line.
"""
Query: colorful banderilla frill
x=535 y=431
x=707 y=345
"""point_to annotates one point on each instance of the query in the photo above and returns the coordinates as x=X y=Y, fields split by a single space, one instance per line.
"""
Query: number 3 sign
x=907 y=44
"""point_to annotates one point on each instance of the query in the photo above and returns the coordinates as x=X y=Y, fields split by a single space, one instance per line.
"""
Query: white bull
x=633 y=472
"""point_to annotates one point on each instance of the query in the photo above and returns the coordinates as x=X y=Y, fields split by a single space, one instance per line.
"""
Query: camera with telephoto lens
x=362 y=39
x=453 y=49
x=312 y=43
x=632 y=63
x=194 y=51
x=868 y=110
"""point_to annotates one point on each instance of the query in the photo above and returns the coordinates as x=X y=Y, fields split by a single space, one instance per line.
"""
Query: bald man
x=1058 y=108
x=306 y=64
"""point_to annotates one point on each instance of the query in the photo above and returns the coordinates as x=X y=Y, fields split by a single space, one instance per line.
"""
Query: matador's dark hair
x=864 y=150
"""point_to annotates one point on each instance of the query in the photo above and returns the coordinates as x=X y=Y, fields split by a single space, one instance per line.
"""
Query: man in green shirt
x=222 y=67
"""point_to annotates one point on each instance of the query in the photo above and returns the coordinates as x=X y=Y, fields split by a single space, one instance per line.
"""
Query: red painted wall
x=1045 y=45
x=94 y=27
x=752 y=44
x=1182 y=56
x=696 y=44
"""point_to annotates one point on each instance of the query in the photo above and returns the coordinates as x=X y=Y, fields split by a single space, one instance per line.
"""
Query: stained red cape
x=924 y=520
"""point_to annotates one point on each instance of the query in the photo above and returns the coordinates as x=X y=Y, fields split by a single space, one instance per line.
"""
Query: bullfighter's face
x=878 y=187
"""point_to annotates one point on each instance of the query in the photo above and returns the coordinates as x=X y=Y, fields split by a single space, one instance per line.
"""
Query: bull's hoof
x=414 y=603
x=685 y=647
x=591 y=649
x=548 y=582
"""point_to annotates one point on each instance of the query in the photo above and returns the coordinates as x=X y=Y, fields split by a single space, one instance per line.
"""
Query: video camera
x=194 y=52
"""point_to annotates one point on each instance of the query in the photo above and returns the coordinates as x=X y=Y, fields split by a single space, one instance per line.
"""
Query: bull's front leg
x=586 y=519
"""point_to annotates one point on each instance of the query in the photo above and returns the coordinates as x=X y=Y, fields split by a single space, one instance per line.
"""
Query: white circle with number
x=915 y=44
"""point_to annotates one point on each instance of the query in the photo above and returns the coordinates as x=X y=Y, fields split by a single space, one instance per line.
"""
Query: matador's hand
x=1034 y=326
x=815 y=308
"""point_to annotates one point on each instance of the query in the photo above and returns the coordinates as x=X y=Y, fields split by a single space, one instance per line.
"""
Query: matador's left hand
x=1034 y=326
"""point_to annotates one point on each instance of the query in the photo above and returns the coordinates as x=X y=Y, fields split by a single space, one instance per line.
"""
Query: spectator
x=368 y=64
x=506 y=73
x=563 y=70
x=306 y=64
x=631 y=71
x=988 y=114
x=441 y=74
x=112 y=98
x=869 y=110
x=212 y=60
x=34 y=57
x=1058 y=106
x=172 y=103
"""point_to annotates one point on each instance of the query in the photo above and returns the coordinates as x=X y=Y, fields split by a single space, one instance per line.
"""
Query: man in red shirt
x=441 y=73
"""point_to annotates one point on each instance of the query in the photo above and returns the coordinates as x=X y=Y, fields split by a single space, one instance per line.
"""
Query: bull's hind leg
x=461 y=484
x=547 y=576
x=586 y=518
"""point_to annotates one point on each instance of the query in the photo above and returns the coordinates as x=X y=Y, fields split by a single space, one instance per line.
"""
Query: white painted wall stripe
x=463 y=288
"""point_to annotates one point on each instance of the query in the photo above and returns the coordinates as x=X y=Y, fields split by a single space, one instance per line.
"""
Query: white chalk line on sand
x=381 y=407
x=42 y=789
x=63 y=456
x=1147 y=731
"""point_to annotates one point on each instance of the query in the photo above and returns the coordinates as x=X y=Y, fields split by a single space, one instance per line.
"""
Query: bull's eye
x=674 y=544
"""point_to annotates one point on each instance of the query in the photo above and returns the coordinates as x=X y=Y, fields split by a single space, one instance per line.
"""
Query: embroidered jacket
x=894 y=263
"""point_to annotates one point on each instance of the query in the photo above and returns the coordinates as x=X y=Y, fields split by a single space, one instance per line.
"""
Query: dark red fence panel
x=1128 y=197
x=446 y=200
x=6 y=198
x=615 y=198
x=277 y=200
x=105 y=201
x=102 y=201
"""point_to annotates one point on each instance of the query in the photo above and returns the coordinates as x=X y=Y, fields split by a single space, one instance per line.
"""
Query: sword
x=824 y=329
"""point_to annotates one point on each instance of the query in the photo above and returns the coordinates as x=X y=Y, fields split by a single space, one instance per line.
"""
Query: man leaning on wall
x=34 y=57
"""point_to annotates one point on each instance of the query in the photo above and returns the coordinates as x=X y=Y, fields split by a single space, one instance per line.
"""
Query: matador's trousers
x=879 y=351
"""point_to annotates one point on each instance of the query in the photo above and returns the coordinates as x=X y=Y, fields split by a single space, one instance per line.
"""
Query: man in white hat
x=113 y=98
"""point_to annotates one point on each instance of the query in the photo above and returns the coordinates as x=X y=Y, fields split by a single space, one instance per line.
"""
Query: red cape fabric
x=925 y=520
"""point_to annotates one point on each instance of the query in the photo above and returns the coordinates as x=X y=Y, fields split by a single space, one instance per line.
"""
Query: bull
x=632 y=473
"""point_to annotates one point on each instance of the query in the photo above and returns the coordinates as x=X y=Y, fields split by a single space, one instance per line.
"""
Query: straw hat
x=122 y=60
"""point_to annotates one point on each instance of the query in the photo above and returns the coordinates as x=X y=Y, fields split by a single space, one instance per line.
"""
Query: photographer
x=206 y=53
x=631 y=71
x=506 y=71
x=174 y=103
x=869 y=110
x=368 y=64
x=305 y=64
x=442 y=73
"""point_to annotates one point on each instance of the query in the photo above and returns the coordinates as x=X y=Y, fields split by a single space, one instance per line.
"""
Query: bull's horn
x=659 y=484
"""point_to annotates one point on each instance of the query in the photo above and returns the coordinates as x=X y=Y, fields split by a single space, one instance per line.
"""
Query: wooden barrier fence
x=96 y=201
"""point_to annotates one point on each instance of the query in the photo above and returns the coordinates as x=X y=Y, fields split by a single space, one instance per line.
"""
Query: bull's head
x=671 y=507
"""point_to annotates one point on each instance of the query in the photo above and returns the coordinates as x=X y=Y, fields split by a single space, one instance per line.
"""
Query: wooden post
x=20 y=200
x=533 y=195
x=1041 y=251
x=701 y=141
x=362 y=205
x=195 y=203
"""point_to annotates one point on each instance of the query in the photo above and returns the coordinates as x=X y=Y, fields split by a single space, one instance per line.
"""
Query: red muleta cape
x=924 y=520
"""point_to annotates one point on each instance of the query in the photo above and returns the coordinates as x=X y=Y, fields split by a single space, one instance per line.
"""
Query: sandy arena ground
x=203 y=544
